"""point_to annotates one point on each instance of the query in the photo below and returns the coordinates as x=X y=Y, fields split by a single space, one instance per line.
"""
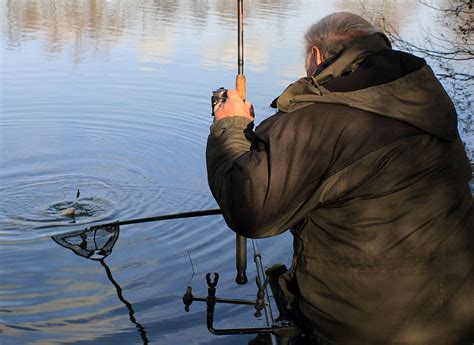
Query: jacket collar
x=342 y=63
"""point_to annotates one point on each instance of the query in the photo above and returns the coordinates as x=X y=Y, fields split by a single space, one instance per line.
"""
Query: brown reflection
x=85 y=25
x=97 y=26
x=397 y=12
x=255 y=8
x=199 y=10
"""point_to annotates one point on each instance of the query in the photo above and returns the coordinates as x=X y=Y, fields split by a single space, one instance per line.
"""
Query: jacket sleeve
x=261 y=179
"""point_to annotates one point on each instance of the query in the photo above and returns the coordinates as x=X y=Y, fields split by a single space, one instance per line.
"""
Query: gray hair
x=331 y=33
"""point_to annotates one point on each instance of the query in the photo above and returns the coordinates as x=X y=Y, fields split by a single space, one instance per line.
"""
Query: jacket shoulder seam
x=361 y=156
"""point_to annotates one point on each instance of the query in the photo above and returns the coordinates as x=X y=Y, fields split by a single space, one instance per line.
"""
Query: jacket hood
x=417 y=98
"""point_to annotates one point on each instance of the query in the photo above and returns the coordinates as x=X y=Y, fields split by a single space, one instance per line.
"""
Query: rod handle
x=241 y=86
x=241 y=259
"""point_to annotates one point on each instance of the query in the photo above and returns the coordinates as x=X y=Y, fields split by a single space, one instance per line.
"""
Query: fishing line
x=192 y=267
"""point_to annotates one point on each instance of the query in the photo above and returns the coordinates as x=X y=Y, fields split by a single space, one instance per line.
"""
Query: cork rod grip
x=240 y=86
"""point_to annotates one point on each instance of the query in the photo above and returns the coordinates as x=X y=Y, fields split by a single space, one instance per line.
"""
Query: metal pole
x=190 y=214
x=262 y=279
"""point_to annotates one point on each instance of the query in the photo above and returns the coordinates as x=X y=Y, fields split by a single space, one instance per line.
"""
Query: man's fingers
x=234 y=106
x=233 y=94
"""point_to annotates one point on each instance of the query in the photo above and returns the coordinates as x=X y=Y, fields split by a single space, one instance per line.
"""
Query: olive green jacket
x=364 y=164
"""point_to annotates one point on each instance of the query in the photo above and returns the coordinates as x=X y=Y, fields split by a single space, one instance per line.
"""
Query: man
x=364 y=164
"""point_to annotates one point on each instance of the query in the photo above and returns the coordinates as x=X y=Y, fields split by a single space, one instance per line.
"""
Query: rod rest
x=284 y=330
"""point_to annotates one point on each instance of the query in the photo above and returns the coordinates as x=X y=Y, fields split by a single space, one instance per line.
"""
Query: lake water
x=112 y=98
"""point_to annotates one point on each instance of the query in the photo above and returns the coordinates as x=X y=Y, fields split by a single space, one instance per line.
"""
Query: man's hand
x=234 y=106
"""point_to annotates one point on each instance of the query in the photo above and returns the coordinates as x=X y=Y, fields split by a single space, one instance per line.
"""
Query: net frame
x=95 y=243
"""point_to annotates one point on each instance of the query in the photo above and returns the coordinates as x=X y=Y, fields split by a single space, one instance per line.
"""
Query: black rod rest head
x=212 y=284
x=188 y=298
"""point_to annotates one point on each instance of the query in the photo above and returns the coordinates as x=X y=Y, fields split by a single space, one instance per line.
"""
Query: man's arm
x=261 y=180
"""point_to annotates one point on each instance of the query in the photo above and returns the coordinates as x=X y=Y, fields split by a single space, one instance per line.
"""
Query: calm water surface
x=112 y=98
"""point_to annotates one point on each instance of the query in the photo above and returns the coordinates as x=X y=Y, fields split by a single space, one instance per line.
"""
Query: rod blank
x=240 y=37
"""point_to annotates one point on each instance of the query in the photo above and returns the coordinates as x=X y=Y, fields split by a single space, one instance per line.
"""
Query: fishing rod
x=219 y=96
x=281 y=331
x=240 y=81
x=240 y=86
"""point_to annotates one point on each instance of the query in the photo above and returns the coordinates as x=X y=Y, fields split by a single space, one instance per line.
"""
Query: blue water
x=112 y=98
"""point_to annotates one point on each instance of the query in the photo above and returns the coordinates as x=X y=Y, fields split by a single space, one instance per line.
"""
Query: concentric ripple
x=80 y=208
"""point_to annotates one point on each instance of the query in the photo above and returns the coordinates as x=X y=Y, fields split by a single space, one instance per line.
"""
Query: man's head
x=329 y=36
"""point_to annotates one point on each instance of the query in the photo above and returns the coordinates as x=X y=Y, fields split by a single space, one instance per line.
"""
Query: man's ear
x=317 y=55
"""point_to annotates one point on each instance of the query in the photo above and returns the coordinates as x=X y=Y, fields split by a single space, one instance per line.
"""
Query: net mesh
x=94 y=243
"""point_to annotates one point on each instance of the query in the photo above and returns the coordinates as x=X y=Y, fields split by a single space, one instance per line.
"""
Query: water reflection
x=159 y=31
x=155 y=27
x=86 y=26
x=400 y=13
x=120 y=296
x=96 y=243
